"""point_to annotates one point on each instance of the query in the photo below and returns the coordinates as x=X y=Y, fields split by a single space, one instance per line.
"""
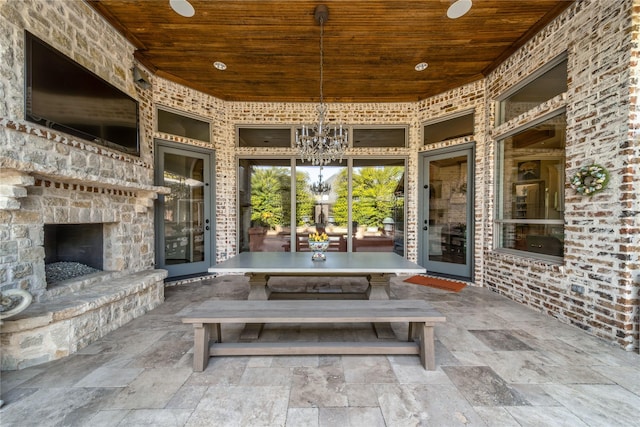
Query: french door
x=446 y=212
x=184 y=218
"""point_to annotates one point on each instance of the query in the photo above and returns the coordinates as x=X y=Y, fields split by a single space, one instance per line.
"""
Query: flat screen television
x=63 y=95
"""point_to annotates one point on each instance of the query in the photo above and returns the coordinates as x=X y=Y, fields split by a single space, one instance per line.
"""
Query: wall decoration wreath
x=590 y=179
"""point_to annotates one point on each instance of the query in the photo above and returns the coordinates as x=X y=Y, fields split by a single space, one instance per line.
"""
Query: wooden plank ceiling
x=272 y=47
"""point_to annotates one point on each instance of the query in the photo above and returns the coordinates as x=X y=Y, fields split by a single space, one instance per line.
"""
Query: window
x=182 y=125
x=264 y=137
x=265 y=204
x=322 y=203
x=550 y=81
x=359 y=203
x=531 y=192
x=449 y=128
x=379 y=137
x=378 y=205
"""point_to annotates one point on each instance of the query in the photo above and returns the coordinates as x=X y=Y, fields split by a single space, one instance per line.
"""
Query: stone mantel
x=14 y=180
x=66 y=161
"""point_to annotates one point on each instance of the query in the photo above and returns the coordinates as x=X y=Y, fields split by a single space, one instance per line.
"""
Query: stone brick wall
x=51 y=177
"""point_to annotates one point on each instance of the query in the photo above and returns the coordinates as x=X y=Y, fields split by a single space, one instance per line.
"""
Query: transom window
x=367 y=137
x=452 y=127
x=182 y=124
x=548 y=82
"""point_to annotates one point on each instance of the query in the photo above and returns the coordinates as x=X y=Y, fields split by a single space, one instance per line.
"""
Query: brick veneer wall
x=593 y=288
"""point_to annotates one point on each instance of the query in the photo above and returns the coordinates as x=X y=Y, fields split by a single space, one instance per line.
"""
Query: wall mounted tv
x=63 y=95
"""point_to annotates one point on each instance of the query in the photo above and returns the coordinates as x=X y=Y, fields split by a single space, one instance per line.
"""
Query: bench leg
x=200 y=346
x=215 y=332
x=427 y=346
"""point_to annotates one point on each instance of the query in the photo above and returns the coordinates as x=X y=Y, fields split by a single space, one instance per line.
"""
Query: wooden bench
x=208 y=317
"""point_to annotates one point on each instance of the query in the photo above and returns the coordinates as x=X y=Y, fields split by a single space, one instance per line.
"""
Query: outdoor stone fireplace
x=62 y=201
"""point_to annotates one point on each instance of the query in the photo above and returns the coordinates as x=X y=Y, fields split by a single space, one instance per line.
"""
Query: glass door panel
x=447 y=217
x=185 y=226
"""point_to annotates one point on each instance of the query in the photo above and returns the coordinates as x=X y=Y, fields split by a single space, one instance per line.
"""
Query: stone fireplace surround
x=55 y=180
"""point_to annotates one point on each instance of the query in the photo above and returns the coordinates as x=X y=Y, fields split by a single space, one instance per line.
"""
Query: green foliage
x=340 y=208
x=270 y=192
x=304 y=199
x=271 y=197
x=373 y=198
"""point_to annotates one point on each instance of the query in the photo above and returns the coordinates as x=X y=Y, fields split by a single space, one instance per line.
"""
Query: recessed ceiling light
x=421 y=66
x=458 y=8
x=220 y=65
x=182 y=7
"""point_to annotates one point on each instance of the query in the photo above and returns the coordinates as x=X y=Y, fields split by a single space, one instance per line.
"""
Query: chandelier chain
x=321 y=143
x=321 y=60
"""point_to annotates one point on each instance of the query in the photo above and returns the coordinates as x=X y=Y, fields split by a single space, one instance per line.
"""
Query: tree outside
x=372 y=196
x=270 y=189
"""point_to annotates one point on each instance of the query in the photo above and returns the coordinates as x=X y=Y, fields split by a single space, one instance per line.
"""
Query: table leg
x=378 y=286
x=215 y=332
x=200 y=347
x=258 y=290
x=379 y=290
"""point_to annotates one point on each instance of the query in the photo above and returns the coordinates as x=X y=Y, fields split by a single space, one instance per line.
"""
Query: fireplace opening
x=72 y=250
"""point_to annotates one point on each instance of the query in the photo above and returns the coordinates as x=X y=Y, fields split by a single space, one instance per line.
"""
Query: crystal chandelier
x=320 y=187
x=321 y=143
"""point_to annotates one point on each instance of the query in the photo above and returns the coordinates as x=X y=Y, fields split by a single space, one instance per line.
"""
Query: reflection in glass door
x=183 y=216
x=447 y=220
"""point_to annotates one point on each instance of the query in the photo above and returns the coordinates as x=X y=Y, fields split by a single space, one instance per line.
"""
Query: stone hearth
x=69 y=321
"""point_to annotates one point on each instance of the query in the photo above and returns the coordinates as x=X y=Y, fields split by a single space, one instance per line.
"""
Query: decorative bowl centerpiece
x=318 y=244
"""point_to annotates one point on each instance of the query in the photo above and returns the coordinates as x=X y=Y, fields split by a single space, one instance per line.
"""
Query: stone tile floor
x=498 y=364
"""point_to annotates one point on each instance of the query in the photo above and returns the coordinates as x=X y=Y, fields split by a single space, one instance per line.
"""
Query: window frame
x=499 y=220
x=184 y=114
x=499 y=106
